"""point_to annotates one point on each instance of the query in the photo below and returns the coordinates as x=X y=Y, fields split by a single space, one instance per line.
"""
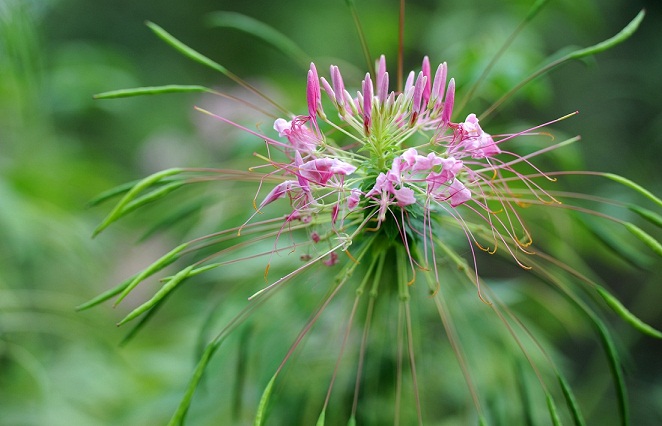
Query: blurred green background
x=59 y=148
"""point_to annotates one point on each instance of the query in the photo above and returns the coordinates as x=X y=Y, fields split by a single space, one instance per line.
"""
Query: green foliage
x=58 y=148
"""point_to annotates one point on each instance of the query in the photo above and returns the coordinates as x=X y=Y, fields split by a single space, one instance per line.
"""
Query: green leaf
x=151 y=90
x=185 y=50
x=260 y=30
x=615 y=367
x=178 y=417
x=106 y=295
x=113 y=192
x=202 y=59
x=155 y=267
x=628 y=316
x=143 y=321
x=119 y=209
x=640 y=189
x=645 y=238
x=321 y=418
x=622 y=35
x=169 y=286
x=152 y=196
x=571 y=401
x=173 y=217
x=556 y=421
x=649 y=215
x=618 y=246
x=261 y=414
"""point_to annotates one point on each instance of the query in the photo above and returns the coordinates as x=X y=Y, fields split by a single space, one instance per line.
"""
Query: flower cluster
x=390 y=155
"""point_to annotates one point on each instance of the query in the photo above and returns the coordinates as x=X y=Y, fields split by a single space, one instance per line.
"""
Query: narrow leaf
x=571 y=401
x=143 y=184
x=169 y=286
x=113 y=192
x=261 y=414
x=153 y=196
x=202 y=59
x=106 y=295
x=622 y=35
x=628 y=316
x=615 y=367
x=263 y=31
x=556 y=421
x=155 y=267
x=173 y=217
x=620 y=248
x=640 y=189
x=645 y=238
x=142 y=322
x=185 y=50
x=537 y=6
x=178 y=417
x=649 y=215
x=151 y=90
x=321 y=418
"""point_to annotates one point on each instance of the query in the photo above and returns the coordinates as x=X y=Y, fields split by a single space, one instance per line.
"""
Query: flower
x=376 y=186
x=391 y=156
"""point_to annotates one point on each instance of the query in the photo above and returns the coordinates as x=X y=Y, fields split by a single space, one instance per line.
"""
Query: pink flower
x=475 y=141
x=353 y=199
x=279 y=192
x=320 y=170
x=300 y=137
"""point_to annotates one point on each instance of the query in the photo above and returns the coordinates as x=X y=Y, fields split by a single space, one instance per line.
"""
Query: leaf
x=155 y=267
x=202 y=59
x=152 y=196
x=622 y=35
x=173 y=217
x=151 y=90
x=649 y=215
x=645 y=238
x=178 y=417
x=571 y=401
x=632 y=185
x=260 y=30
x=187 y=51
x=118 y=210
x=169 y=286
x=106 y=195
x=260 y=415
x=106 y=294
x=321 y=418
x=620 y=248
x=556 y=421
x=615 y=367
x=628 y=316
x=143 y=321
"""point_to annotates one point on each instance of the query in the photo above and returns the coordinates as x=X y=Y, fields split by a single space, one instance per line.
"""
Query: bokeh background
x=59 y=148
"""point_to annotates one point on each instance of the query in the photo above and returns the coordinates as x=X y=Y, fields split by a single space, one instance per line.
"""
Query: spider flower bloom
x=390 y=157
x=377 y=185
